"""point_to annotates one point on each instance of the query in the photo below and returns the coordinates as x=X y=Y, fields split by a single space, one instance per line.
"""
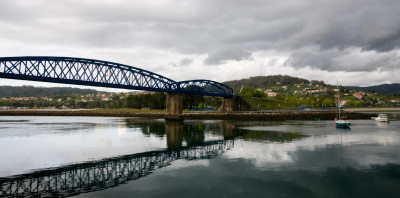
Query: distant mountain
x=382 y=89
x=264 y=81
x=30 y=91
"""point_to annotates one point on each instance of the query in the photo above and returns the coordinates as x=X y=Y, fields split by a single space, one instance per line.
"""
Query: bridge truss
x=91 y=72
x=93 y=176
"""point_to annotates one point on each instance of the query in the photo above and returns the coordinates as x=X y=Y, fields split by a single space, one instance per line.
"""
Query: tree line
x=134 y=101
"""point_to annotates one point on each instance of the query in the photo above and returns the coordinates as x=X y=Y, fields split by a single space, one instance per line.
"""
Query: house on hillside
x=359 y=96
x=271 y=93
x=267 y=90
x=342 y=102
x=313 y=91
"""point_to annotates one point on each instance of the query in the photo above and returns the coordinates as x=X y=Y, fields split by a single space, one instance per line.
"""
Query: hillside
x=30 y=91
x=264 y=81
x=382 y=89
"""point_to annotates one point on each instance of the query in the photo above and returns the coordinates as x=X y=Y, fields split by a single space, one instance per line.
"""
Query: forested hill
x=30 y=91
x=382 y=89
x=264 y=81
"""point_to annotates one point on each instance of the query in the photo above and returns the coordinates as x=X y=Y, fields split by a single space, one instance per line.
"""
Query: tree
x=328 y=102
x=361 y=103
x=246 y=92
x=351 y=103
x=191 y=100
x=280 y=97
x=259 y=94
x=201 y=106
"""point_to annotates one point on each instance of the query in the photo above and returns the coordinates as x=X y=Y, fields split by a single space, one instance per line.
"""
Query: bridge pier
x=228 y=104
x=174 y=107
x=236 y=103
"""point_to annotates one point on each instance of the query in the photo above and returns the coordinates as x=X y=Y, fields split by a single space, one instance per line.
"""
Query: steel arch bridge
x=90 y=72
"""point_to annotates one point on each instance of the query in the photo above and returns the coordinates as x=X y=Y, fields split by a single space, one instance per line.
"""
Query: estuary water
x=136 y=157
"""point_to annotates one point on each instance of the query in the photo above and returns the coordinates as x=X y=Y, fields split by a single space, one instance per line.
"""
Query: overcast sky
x=355 y=42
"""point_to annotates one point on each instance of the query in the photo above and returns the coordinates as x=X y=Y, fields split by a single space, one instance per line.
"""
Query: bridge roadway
x=107 y=173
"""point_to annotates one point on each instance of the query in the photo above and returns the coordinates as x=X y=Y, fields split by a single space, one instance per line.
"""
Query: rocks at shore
x=273 y=116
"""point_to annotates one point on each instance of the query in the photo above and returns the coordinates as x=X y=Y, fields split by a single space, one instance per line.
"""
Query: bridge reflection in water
x=97 y=175
x=184 y=140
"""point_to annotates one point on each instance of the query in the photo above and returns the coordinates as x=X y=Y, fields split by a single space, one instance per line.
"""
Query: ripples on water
x=132 y=157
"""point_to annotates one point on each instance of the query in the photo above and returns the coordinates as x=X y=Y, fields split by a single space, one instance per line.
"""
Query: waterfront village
x=313 y=94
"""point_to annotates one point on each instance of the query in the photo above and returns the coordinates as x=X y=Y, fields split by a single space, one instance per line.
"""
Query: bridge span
x=90 y=72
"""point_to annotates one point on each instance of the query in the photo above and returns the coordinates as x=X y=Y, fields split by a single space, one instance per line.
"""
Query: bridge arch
x=90 y=72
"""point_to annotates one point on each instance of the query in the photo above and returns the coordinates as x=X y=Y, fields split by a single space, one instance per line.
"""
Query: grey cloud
x=386 y=43
x=186 y=62
x=220 y=56
x=316 y=33
x=344 y=60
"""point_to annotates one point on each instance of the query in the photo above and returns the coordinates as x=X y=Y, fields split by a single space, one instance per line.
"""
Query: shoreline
x=374 y=109
x=202 y=115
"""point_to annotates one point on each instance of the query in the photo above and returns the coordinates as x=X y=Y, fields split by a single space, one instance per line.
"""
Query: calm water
x=132 y=157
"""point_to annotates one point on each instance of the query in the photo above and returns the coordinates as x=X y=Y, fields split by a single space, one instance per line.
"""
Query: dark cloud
x=186 y=62
x=319 y=34
x=385 y=44
x=354 y=59
x=217 y=57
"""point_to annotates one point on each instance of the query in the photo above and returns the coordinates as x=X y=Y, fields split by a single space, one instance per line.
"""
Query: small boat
x=382 y=118
x=340 y=123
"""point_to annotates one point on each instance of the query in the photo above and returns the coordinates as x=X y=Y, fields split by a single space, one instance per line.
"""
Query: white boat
x=382 y=118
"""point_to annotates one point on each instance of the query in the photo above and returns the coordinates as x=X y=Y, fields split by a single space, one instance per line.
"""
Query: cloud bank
x=218 y=40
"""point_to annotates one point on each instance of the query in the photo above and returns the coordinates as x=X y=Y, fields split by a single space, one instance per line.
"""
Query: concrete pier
x=174 y=107
x=228 y=104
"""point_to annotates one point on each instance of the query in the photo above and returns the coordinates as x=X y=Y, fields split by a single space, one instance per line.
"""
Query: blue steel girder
x=205 y=87
x=90 y=72
x=82 y=71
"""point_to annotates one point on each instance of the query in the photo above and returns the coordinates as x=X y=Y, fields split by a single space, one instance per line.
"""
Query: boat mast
x=338 y=97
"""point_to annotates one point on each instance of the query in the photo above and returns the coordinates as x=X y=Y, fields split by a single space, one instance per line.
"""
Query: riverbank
x=244 y=115
x=374 y=109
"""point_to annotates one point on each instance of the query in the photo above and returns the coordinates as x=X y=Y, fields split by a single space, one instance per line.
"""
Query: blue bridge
x=89 y=72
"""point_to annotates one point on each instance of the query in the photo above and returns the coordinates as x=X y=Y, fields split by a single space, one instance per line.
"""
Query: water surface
x=133 y=157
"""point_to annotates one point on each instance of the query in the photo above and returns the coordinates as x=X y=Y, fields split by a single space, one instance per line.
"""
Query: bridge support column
x=174 y=107
x=228 y=104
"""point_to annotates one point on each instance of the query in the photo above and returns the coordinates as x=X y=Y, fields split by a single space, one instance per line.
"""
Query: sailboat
x=339 y=122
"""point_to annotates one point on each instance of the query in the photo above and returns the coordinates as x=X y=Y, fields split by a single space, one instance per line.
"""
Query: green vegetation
x=272 y=92
x=261 y=92
x=264 y=81
x=103 y=100
x=286 y=99
x=30 y=91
